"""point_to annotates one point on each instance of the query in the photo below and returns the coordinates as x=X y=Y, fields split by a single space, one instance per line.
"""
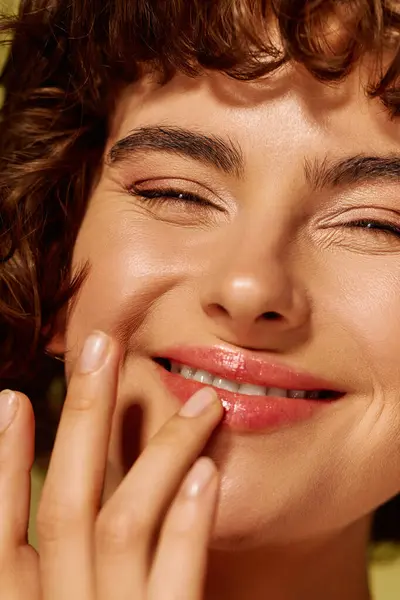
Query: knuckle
x=56 y=519
x=48 y=529
x=117 y=533
x=113 y=535
x=183 y=533
x=177 y=527
x=80 y=403
x=176 y=434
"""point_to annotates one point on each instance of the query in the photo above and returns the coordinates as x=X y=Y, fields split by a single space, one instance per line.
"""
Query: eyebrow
x=224 y=155
x=209 y=149
x=351 y=171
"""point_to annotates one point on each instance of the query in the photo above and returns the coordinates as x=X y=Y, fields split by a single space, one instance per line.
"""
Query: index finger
x=72 y=490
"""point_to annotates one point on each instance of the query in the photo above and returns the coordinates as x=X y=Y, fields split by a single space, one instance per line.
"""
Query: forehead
x=285 y=112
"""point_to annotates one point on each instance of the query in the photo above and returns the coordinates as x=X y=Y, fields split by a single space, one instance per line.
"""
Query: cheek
x=124 y=260
x=133 y=261
x=366 y=311
x=357 y=323
x=357 y=320
x=365 y=308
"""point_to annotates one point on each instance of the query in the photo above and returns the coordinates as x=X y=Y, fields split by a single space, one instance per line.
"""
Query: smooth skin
x=294 y=505
x=149 y=540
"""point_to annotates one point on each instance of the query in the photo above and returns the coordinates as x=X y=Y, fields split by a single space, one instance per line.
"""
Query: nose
x=254 y=299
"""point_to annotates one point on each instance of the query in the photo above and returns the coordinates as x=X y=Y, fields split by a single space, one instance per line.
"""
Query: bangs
x=103 y=41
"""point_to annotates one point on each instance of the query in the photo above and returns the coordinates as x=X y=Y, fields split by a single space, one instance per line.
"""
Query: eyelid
x=379 y=226
x=173 y=194
x=176 y=186
x=339 y=215
x=175 y=181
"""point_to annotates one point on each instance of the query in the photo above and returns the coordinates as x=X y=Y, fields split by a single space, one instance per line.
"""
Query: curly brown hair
x=68 y=59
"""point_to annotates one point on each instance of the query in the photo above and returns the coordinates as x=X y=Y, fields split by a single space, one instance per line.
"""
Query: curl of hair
x=68 y=58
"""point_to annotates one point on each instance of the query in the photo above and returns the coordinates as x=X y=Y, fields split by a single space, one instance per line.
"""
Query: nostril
x=271 y=316
x=218 y=310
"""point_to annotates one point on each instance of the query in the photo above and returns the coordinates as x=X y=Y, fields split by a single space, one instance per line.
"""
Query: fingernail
x=94 y=352
x=198 y=477
x=198 y=402
x=8 y=408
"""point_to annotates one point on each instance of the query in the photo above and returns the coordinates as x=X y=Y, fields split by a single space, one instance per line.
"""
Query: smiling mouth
x=246 y=389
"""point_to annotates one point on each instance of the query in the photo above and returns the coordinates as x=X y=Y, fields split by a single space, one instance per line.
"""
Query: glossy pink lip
x=244 y=412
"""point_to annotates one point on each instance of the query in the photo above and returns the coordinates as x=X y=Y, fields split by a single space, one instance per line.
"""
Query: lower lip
x=244 y=412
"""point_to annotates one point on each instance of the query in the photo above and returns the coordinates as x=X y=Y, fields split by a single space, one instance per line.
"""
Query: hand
x=148 y=541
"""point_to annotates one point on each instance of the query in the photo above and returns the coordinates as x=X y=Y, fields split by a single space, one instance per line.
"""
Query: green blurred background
x=384 y=558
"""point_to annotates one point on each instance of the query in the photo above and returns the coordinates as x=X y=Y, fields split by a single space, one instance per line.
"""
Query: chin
x=245 y=521
x=251 y=526
x=242 y=530
x=252 y=512
x=234 y=536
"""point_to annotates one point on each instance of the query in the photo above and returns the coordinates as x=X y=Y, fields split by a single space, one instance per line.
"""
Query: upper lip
x=243 y=367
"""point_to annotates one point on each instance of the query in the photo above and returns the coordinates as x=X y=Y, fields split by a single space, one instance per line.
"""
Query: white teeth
x=252 y=390
x=203 y=377
x=296 y=394
x=187 y=372
x=277 y=392
x=225 y=384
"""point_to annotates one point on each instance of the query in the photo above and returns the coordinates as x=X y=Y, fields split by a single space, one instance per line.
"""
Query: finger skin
x=128 y=521
x=17 y=448
x=72 y=490
x=19 y=571
x=181 y=560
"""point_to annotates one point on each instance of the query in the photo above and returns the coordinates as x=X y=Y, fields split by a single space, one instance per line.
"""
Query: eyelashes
x=191 y=202
x=376 y=227
x=170 y=195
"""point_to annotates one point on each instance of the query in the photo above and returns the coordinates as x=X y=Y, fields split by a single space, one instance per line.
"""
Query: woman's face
x=283 y=261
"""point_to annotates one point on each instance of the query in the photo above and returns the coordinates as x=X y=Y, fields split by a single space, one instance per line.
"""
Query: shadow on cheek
x=132 y=423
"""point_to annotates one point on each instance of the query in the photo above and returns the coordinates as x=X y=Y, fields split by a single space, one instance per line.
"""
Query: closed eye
x=375 y=226
x=172 y=195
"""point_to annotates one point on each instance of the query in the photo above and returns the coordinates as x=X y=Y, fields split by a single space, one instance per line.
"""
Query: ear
x=57 y=344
